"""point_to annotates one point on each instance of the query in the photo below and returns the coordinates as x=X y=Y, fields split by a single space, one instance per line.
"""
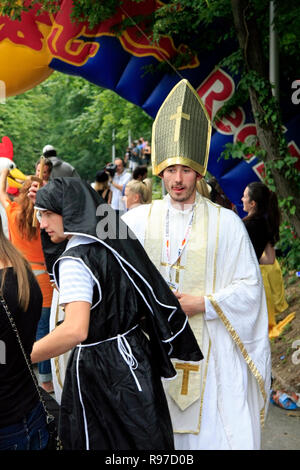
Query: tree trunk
x=249 y=41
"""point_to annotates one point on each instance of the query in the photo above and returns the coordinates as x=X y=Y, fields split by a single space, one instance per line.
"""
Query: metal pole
x=273 y=52
x=129 y=138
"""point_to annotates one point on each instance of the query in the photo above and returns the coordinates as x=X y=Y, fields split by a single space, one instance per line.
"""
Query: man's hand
x=191 y=304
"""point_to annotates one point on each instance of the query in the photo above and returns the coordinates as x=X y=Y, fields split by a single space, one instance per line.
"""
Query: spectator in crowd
x=59 y=166
x=120 y=178
x=101 y=185
x=140 y=173
x=138 y=192
x=217 y=194
x=22 y=417
x=47 y=168
x=135 y=156
x=27 y=240
x=141 y=146
x=128 y=156
x=147 y=153
x=262 y=224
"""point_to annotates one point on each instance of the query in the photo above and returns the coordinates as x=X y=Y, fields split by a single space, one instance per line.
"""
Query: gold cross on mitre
x=186 y=372
x=178 y=116
x=176 y=266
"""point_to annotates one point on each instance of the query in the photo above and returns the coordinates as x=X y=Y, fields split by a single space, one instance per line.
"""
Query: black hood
x=75 y=200
x=84 y=212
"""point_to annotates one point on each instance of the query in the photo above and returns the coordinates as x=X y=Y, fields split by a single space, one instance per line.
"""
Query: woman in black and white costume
x=112 y=293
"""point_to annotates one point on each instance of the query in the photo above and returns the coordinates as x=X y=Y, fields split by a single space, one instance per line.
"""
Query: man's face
x=53 y=225
x=119 y=165
x=180 y=182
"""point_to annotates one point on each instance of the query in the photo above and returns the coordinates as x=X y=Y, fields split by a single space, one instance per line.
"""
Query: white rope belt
x=125 y=351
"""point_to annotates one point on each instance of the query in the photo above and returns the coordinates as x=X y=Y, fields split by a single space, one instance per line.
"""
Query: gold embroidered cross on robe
x=176 y=266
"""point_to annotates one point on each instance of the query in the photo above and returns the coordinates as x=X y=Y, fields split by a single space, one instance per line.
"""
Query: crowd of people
x=124 y=183
x=166 y=329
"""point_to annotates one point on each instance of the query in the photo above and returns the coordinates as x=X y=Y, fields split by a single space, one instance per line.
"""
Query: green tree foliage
x=22 y=120
x=210 y=24
x=76 y=117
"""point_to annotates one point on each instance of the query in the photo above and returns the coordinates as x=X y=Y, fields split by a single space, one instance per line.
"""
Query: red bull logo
x=25 y=32
x=57 y=36
x=218 y=88
x=76 y=42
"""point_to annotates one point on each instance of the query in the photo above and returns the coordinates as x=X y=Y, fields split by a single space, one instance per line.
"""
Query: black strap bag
x=54 y=442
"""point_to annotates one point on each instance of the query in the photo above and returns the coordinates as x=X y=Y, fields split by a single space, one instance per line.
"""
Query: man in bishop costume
x=204 y=253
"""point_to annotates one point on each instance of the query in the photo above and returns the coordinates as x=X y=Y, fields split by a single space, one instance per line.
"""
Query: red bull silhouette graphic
x=38 y=44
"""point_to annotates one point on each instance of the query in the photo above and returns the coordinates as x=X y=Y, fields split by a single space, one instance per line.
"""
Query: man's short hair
x=119 y=158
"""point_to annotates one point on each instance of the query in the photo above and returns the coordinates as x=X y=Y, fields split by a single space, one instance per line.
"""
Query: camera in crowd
x=111 y=168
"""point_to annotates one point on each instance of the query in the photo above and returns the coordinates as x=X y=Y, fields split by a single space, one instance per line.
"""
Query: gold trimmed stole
x=185 y=392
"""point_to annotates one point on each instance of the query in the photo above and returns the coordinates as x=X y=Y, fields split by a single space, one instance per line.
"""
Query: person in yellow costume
x=205 y=255
x=262 y=223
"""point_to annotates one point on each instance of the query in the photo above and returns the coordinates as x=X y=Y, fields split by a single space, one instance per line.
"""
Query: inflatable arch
x=38 y=44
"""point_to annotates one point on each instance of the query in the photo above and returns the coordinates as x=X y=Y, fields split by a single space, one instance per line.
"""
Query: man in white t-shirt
x=119 y=180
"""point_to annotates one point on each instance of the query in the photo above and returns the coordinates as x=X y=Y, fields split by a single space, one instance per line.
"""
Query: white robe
x=237 y=380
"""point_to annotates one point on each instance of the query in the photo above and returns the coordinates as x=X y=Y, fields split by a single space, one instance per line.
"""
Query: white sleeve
x=210 y=313
x=75 y=282
x=136 y=219
x=127 y=179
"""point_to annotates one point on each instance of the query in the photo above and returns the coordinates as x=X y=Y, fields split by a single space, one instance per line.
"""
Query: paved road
x=281 y=431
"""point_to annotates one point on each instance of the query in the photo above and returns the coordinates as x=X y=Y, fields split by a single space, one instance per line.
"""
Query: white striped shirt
x=76 y=282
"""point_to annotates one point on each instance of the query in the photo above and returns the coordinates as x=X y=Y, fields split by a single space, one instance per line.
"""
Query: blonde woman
x=22 y=417
x=137 y=193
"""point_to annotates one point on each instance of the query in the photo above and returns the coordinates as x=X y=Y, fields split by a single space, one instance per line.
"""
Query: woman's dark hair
x=101 y=176
x=139 y=171
x=266 y=206
x=214 y=189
